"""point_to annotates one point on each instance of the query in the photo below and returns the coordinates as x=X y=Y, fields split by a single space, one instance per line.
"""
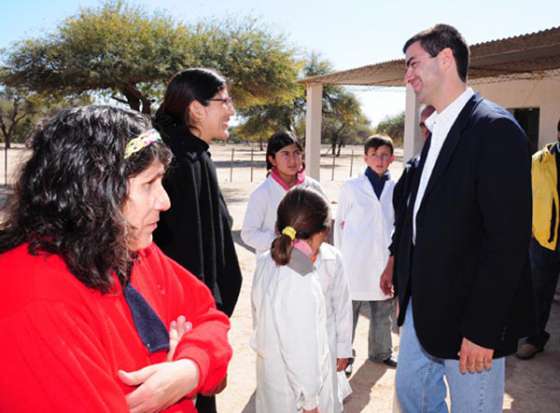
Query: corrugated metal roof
x=531 y=55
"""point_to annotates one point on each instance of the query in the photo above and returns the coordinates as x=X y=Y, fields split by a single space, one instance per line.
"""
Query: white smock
x=258 y=229
x=362 y=233
x=339 y=308
x=290 y=337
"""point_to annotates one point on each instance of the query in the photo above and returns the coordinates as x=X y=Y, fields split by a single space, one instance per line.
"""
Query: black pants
x=206 y=404
x=545 y=267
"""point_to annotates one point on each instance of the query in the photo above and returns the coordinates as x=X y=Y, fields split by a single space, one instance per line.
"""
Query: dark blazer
x=468 y=271
x=401 y=198
x=196 y=231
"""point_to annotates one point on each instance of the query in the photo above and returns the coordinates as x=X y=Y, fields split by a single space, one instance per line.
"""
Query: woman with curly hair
x=94 y=317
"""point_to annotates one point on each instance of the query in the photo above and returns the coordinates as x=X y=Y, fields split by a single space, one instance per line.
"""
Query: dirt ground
x=531 y=386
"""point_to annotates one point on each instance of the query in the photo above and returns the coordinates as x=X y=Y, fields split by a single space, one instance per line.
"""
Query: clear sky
x=349 y=33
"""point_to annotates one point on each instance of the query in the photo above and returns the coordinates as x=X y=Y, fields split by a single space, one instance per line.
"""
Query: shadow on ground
x=362 y=382
x=534 y=385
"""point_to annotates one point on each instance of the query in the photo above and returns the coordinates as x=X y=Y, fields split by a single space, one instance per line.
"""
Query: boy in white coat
x=364 y=222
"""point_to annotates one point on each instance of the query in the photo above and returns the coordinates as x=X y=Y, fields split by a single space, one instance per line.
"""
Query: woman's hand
x=176 y=330
x=160 y=385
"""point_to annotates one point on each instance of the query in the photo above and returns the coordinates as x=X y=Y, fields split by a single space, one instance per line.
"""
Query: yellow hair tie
x=290 y=232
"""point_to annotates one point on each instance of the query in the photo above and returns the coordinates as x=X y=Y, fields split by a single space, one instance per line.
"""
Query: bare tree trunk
x=136 y=100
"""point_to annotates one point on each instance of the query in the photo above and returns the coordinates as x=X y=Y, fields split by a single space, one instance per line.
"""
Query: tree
x=393 y=126
x=343 y=119
x=20 y=110
x=120 y=51
x=14 y=107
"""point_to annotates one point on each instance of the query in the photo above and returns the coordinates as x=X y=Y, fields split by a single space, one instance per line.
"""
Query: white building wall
x=544 y=94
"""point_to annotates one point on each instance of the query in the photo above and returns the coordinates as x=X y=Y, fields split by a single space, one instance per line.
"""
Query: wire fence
x=243 y=163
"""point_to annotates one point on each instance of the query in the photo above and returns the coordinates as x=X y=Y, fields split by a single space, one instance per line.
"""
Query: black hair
x=307 y=212
x=439 y=37
x=70 y=193
x=378 y=141
x=185 y=87
x=278 y=141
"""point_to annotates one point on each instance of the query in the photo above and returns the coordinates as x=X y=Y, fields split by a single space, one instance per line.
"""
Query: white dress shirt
x=439 y=125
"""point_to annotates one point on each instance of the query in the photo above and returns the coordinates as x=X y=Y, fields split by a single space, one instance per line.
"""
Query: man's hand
x=474 y=358
x=159 y=385
x=341 y=364
x=386 y=281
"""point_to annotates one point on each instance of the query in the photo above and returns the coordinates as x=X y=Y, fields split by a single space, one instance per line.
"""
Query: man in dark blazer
x=463 y=281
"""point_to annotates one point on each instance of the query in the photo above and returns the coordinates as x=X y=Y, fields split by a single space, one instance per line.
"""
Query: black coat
x=468 y=271
x=196 y=231
x=401 y=199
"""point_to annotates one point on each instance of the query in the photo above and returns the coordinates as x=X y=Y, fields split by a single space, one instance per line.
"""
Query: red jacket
x=62 y=343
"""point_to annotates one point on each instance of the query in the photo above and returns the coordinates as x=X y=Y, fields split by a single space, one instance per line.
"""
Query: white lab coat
x=290 y=338
x=339 y=308
x=362 y=232
x=258 y=230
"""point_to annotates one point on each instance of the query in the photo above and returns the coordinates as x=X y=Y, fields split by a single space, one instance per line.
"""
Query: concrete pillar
x=313 y=130
x=412 y=136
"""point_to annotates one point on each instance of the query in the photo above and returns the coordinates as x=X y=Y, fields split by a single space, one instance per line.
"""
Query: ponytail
x=281 y=250
x=301 y=214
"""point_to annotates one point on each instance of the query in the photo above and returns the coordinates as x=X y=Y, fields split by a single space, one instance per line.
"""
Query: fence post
x=351 y=163
x=6 y=164
x=333 y=165
x=231 y=165
x=252 y=149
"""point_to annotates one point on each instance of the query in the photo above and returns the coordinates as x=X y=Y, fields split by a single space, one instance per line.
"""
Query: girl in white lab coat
x=284 y=162
x=339 y=317
x=294 y=364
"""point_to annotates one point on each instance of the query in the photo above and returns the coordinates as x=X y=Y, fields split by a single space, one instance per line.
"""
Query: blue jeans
x=420 y=380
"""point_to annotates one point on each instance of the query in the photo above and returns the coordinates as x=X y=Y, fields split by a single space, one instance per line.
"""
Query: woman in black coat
x=196 y=231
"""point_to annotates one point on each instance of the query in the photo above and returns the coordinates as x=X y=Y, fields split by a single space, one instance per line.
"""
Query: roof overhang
x=533 y=55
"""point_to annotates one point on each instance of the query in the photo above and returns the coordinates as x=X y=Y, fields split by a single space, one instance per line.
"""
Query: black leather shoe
x=389 y=362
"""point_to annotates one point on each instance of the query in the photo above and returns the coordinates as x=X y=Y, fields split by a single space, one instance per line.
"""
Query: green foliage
x=261 y=67
x=120 y=51
x=393 y=126
x=20 y=110
x=343 y=120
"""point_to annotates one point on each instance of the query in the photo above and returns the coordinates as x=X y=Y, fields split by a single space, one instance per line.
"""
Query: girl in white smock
x=294 y=364
x=285 y=167
x=339 y=315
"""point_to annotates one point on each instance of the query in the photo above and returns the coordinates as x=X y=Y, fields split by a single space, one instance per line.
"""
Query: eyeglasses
x=227 y=101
